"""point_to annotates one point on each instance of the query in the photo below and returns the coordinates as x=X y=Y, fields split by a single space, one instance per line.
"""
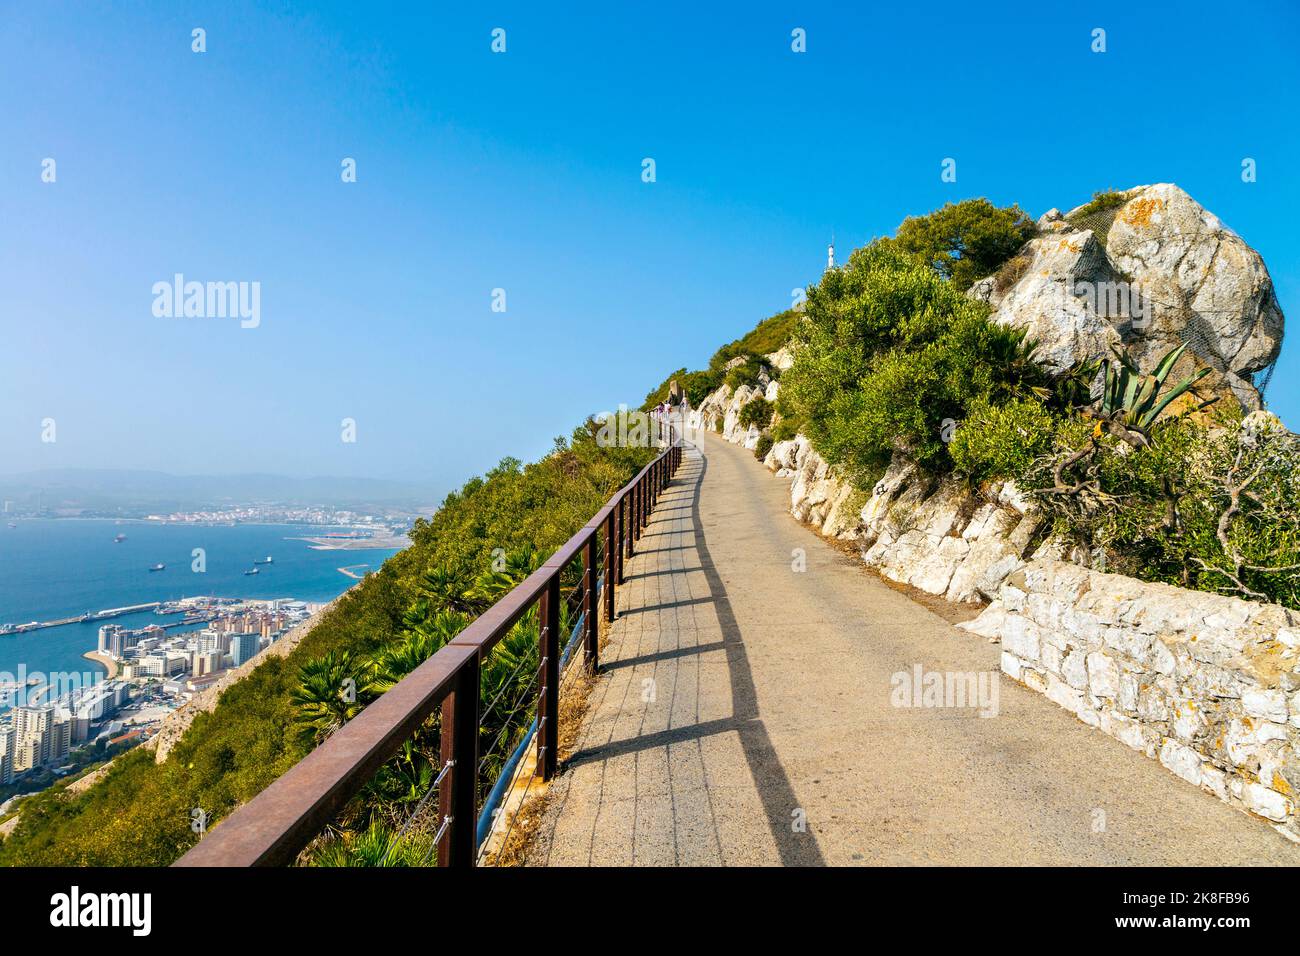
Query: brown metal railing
x=273 y=827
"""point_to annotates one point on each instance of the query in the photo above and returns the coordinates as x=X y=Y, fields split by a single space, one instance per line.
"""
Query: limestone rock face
x=1207 y=287
x=1043 y=300
x=732 y=430
x=1154 y=272
x=937 y=536
x=781 y=359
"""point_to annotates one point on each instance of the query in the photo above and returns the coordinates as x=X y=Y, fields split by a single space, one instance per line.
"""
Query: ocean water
x=55 y=568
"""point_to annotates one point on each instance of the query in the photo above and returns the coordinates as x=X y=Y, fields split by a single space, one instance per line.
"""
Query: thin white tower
x=830 y=253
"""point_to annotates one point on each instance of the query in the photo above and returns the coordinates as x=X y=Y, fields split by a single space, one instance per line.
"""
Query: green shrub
x=785 y=429
x=758 y=412
x=694 y=385
x=965 y=241
x=1164 y=511
x=746 y=373
x=1102 y=201
x=1098 y=214
x=764 y=446
x=888 y=352
x=999 y=442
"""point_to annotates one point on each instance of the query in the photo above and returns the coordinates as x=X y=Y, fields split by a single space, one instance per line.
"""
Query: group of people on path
x=666 y=411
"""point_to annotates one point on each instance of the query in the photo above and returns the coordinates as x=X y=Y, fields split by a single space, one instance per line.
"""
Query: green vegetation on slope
x=890 y=352
x=768 y=336
x=141 y=812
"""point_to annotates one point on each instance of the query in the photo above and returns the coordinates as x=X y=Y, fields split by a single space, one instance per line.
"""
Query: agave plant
x=1132 y=401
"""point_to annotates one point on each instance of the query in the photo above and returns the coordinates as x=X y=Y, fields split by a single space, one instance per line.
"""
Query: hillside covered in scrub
x=485 y=538
x=1102 y=368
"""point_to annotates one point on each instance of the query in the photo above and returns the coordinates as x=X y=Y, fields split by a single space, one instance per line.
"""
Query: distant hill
x=126 y=490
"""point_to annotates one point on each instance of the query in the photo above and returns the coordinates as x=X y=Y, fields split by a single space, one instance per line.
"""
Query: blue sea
x=56 y=568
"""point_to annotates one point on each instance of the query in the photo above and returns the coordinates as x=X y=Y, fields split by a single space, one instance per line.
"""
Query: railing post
x=612 y=553
x=634 y=524
x=458 y=792
x=622 y=527
x=590 y=609
x=548 y=696
x=625 y=533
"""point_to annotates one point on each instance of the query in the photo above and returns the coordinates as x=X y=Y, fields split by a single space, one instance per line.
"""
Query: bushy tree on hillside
x=694 y=385
x=889 y=351
x=965 y=241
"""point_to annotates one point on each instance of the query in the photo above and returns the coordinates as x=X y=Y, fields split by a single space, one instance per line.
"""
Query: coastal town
x=151 y=672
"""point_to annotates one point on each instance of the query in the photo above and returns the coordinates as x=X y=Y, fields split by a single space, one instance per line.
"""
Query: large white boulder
x=1206 y=285
x=1043 y=300
x=1151 y=273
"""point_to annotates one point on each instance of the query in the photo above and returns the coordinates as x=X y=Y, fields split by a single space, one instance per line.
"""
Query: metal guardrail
x=273 y=827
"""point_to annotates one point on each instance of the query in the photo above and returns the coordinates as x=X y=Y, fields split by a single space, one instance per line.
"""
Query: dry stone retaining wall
x=1207 y=684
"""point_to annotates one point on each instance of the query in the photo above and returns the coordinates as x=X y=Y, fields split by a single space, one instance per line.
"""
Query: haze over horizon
x=522 y=171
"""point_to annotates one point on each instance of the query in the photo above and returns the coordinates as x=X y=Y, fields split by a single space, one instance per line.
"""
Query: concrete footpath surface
x=747 y=714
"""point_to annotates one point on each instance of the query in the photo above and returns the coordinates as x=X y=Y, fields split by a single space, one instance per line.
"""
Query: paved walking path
x=740 y=698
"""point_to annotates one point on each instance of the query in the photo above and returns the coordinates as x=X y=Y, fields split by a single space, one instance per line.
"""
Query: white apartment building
x=6 y=755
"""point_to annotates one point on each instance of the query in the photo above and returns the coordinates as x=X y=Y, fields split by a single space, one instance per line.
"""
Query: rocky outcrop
x=781 y=359
x=1208 y=685
x=817 y=496
x=1042 y=300
x=937 y=536
x=1207 y=287
x=1151 y=272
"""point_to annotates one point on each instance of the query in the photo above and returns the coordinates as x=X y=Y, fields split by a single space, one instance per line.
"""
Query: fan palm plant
x=451 y=589
x=331 y=691
x=492 y=585
x=425 y=635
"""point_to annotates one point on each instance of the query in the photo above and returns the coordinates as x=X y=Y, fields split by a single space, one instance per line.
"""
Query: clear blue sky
x=522 y=171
